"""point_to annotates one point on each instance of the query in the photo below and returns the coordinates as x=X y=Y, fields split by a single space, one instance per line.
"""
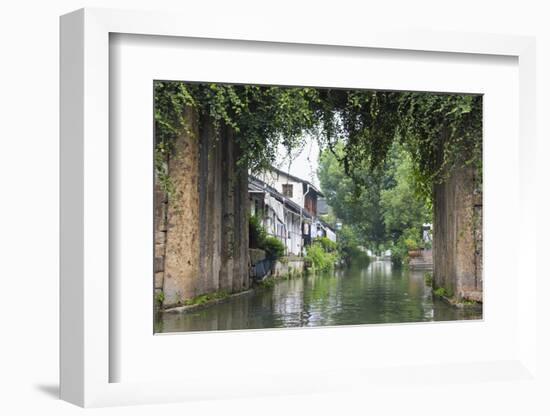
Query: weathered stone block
x=160 y=249
x=160 y=237
x=159 y=264
x=159 y=280
x=474 y=295
x=256 y=255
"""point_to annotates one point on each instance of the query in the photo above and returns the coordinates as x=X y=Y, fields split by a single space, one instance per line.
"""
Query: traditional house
x=280 y=216
x=302 y=193
x=322 y=206
x=323 y=229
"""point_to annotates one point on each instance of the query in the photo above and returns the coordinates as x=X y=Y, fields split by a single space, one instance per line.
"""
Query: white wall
x=277 y=181
x=331 y=235
x=294 y=233
x=29 y=212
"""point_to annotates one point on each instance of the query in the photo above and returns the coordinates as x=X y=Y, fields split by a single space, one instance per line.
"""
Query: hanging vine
x=440 y=131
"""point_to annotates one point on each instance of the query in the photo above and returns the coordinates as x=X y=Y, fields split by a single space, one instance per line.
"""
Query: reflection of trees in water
x=288 y=302
x=323 y=299
x=375 y=294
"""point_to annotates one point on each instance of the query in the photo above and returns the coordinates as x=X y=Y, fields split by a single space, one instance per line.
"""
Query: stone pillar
x=181 y=264
x=210 y=208
x=228 y=212
x=224 y=212
x=241 y=262
x=161 y=201
x=458 y=236
x=202 y=243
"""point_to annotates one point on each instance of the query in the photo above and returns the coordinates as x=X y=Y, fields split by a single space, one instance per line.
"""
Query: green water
x=374 y=294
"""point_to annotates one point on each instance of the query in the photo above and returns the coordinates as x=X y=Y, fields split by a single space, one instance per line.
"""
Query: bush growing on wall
x=322 y=261
x=327 y=244
x=258 y=238
x=256 y=233
x=274 y=248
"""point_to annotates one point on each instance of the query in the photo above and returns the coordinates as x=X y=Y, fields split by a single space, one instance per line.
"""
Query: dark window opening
x=287 y=190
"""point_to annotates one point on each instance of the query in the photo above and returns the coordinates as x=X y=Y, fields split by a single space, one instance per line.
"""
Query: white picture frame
x=86 y=356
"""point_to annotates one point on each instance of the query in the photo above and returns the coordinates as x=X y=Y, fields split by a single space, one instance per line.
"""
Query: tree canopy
x=357 y=205
x=384 y=210
x=403 y=208
x=439 y=131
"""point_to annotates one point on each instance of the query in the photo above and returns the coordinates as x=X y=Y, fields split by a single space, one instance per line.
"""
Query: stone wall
x=177 y=221
x=458 y=236
x=201 y=227
x=161 y=202
x=288 y=267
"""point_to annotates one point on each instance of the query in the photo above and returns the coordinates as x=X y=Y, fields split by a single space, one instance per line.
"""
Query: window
x=287 y=190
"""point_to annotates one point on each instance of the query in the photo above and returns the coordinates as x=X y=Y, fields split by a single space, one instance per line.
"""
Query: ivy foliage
x=261 y=117
x=440 y=131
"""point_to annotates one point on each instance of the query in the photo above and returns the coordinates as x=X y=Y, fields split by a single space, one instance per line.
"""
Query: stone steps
x=423 y=262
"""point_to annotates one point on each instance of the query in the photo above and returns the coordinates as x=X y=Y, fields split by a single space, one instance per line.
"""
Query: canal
x=374 y=294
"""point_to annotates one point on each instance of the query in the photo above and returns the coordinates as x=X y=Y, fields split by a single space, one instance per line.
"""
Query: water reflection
x=374 y=294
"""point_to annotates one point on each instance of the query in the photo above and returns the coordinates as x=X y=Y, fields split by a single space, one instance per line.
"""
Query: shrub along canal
x=377 y=293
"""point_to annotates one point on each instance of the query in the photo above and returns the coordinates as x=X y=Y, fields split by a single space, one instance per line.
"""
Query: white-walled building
x=287 y=206
x=280 y=216
x=322 y=229
x=303 y=193
x=300 y=191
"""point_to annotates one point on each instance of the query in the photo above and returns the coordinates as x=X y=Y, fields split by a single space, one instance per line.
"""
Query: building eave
x=297 y=179
x=260 y=186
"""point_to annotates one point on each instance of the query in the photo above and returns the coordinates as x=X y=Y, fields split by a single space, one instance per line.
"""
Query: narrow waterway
x=374 y=294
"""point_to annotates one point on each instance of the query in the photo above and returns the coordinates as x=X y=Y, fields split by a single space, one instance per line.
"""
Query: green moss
x=428 y=279
x=159 y=298
x=205 y=298
x=442 y=292
x=267 y=283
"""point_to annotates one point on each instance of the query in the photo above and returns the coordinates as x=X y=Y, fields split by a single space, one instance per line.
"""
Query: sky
x=304 y=162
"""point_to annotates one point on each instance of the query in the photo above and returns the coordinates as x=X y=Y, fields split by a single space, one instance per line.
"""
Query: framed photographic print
x=323 y=202
x=280 y=207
